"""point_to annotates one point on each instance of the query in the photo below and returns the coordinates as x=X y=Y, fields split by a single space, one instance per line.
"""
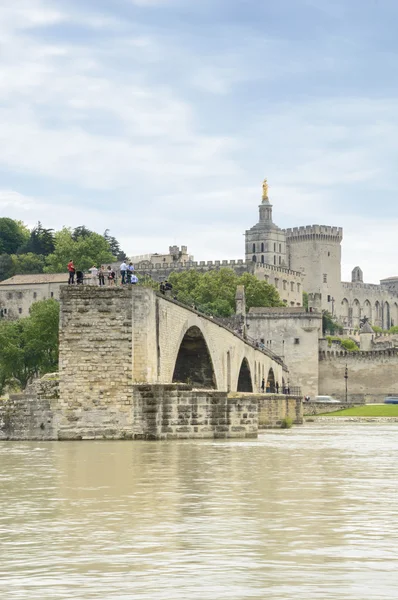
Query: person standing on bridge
x=123 y=270
x=277 y=387
x=71 y=270
x=263 y=385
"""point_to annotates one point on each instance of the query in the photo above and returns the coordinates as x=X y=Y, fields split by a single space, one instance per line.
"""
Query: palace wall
x=371 y=375
x=376 y=302
x=293 y=334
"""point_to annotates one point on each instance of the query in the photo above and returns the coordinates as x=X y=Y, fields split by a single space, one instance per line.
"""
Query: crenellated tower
x=315 y=251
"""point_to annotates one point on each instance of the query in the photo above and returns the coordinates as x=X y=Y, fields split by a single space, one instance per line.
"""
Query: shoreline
x=326 y=419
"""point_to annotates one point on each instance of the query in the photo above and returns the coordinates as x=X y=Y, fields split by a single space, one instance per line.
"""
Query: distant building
x=18 y=293
x=175 y=255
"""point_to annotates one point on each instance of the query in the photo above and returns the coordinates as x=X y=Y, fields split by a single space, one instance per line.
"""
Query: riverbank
x=327 y=420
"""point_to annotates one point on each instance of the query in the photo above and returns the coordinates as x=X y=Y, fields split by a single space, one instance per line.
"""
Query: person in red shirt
x=72 y=270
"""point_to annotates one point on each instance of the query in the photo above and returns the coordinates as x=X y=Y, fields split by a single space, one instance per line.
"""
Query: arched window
x=274 y=260
x=262 y=258
x=262 y=248
x=254 y=258
x=254 y=247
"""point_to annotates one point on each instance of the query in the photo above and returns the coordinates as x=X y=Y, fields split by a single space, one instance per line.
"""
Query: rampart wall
x=371 y=375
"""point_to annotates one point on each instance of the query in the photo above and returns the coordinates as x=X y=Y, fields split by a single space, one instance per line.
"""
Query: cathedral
x=309 y=259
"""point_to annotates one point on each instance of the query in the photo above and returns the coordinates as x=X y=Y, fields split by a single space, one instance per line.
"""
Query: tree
x=85 y=251
x=214 y=292
x=29 y=347
x=329 y=324
x=41 y=241
x=27 y=263
x=12 y=235
x=114 y=246
x=80 y=232
x=6 y=266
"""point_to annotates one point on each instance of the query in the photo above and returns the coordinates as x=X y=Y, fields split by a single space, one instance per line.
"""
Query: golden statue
x=265 y=189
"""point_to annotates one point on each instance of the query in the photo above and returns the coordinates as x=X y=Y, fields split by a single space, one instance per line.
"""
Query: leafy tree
x=81 y=232
x=329 y=324
x=29 y=347
x=85 y=251
x=214 y=292
x=12 y=235
x=394 y=329
x=27 y=263
x=350 y=345
x=6 y=266
x=114 y=246
x=41 y=241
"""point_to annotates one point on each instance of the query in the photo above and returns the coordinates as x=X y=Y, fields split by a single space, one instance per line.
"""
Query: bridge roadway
x=113 y=337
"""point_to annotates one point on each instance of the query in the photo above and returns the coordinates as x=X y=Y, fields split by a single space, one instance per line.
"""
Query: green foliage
x=12 y=235
x=377 y=329
x=329 y=324
x=286 y=423
x=349 y=345
x=114 y=246
x=6 y=266
x=23 y=251
x=27 y=263
x=29 y=347
x=345 y=343
x=40 y=242
x=214 y=292
x=394 y=329
x=85 y=250
x=305 y=300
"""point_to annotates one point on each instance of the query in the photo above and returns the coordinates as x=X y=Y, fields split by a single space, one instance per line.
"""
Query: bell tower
x=265 y=242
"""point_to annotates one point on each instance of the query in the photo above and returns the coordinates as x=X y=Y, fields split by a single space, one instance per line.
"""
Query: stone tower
x=357 y=275
x=366 y=336
x=265 y=242
x=315 y=251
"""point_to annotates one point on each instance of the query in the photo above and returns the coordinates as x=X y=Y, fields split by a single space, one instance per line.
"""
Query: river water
x=307 y=513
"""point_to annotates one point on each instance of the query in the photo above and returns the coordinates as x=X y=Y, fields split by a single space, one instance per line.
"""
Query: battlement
x=189 y=264
x=371 y=355
x=371 y=287
x=311 y=232
x=276 y=269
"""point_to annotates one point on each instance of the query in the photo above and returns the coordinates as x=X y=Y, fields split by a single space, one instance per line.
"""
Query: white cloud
x=108 y=118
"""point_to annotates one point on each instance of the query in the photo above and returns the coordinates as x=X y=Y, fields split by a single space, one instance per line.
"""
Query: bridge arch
x=245 y=383
x=193 y=363
x=271 y=381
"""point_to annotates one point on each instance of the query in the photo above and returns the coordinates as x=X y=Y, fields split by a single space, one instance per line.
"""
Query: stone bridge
x=111 y=338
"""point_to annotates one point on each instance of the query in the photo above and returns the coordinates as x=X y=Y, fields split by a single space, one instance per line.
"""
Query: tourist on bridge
x=263 y=385
x=94 y=275
x=167 y=288
x=111 y=276
x=72 y=271
x=123 y=271
x=277 y=387
x=130 y=270
x=101 y=275
x=162 y=288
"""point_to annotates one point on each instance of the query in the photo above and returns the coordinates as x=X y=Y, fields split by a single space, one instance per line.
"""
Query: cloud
x=139 y=123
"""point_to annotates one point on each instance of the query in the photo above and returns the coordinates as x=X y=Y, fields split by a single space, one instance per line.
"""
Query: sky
x=159 y=120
